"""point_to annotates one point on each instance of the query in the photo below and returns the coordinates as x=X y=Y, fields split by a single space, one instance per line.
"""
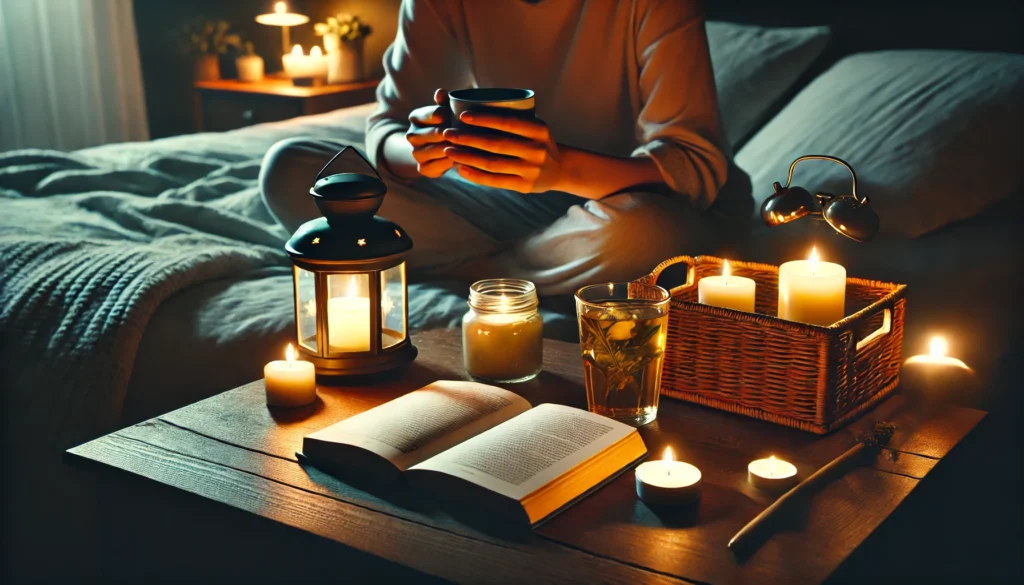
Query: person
x=624 y=166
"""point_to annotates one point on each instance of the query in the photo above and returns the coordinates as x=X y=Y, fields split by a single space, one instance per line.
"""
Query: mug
x=499 y=100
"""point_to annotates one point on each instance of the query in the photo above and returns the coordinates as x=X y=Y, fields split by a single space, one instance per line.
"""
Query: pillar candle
x=348 y=324
x=290 y=382
x=297 y=65
x=812 y=291
x=730 y=292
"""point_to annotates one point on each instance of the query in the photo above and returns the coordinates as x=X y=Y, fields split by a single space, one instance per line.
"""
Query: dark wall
x=167 y=73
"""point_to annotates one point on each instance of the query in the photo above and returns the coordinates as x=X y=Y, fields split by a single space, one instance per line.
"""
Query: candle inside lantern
x=812 y=291
x=290 y=382
x=300 y=66
x=771 y=474
x=502 y=334
x=348 y=321
x=727 y=291
x=935 y=374
x=667 y=482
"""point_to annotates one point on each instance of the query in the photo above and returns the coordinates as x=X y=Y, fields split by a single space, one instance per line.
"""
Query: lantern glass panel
x=392 y=306
x=305 y=308
x=348 y=313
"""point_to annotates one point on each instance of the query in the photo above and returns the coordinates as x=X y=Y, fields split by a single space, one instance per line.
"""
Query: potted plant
x=207 y=41
x=249 y=64
x=343 y=39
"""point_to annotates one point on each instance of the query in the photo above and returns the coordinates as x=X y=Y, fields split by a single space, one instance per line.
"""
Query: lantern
x=351 y=314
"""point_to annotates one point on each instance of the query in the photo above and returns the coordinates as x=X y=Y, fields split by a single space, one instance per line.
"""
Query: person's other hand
x=523 y=158
x=425 y=135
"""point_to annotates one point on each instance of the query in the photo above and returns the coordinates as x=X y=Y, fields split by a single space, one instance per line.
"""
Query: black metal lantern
x=351 y=310
x=850 y=215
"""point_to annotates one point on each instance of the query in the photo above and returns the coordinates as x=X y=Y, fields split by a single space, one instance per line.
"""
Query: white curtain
x=69 y=74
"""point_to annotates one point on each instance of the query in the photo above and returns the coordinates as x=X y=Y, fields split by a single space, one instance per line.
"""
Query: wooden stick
x=870 y=443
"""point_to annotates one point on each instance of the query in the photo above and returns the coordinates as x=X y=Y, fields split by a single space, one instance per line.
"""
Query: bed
x=137 y=278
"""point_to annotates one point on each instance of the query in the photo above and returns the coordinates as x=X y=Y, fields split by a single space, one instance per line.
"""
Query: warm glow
x=503 y=304
x=316 y=52
x=353 y=288
x=813 y=260
x=771 y=466
x=311 y=307
x=386 y=304
x=668 y=455
x=297 y=50
x=726 y=271
x=289 y=354
x=280 y=8
x=938 y=347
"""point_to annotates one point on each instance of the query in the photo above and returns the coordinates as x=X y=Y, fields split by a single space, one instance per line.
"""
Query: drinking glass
x=623 y=328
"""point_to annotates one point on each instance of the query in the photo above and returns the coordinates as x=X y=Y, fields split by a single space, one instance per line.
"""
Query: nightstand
x=228 y=104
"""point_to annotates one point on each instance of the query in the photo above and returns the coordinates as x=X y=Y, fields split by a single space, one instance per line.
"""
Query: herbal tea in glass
x=623 y=329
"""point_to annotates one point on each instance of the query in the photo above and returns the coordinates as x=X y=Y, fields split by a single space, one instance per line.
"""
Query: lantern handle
x=341 y=152
x=837 y=160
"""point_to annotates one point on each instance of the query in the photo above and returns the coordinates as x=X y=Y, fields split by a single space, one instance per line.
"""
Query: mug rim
x=515 y=94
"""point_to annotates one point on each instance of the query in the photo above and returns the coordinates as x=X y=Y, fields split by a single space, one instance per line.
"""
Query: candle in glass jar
x=299 y=66
x=502 y=332
x=727 y=291
x=290 y=382
x=812 y=291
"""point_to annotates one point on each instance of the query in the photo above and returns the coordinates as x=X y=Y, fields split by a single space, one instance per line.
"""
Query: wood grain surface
x=232 y=449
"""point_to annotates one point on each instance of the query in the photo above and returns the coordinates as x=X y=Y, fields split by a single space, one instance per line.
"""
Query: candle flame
x=938 y=346
x=353 y=288
x=813 y=259
x=771 y=466
x=668 y=455
x=297 y=50
x=726 y=271
x=289 y=354
x=316 y=52
x=280 y=8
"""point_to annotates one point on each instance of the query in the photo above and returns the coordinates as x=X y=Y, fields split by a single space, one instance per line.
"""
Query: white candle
x=727 y=291
x=291 y=382
x=667 y=482
x=348 y=324
x=771 y=474
x=298 y=65
x=935 y=374
x=811 y=291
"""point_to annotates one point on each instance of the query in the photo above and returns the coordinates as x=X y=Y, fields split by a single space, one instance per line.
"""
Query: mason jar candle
x=502 y=332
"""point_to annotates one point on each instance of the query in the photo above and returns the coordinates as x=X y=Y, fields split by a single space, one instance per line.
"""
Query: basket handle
x=873 y=337
x=691 y=264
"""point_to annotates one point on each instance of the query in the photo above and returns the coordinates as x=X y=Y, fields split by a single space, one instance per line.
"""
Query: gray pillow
x=754 y=66
x=934 y=136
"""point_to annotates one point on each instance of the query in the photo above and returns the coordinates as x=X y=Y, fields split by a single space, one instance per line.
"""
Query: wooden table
x=227 y=104
x=231 y=449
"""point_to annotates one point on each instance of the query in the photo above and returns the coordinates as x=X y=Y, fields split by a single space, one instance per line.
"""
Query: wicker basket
x=805 y=376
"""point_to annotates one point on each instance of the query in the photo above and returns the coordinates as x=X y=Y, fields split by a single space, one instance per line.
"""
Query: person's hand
x=428 y=143
x=524 y=158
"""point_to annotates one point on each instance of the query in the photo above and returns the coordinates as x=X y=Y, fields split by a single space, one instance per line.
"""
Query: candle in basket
x=727 y=291
x=290 y=382
x=812 y=291
x=935 y=375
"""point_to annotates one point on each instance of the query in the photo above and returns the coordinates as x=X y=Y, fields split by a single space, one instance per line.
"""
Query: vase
x=346 y=64
x=207 y=68
x=332 y=42
x=250 y=68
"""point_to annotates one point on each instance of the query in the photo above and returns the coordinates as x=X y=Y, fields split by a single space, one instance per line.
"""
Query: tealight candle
x=290 y=382
x=771 y=474
x=667 y=482
x=727 y=291
x=935 y=374
x=812 y=291
x=298 y=66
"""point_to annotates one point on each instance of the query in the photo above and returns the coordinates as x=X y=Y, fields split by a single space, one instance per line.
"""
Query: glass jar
x=502 y=332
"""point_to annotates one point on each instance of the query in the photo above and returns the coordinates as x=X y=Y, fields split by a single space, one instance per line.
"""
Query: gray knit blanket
x=88 y=251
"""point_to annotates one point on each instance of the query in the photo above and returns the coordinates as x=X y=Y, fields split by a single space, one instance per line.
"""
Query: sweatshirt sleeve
x=423 y=57
x=679 y=125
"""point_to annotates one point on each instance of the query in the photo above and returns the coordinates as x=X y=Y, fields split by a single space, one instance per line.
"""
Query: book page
x=422 y=423
x=519 y=456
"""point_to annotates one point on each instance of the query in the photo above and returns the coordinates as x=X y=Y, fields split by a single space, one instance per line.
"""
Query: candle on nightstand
x=667 y=482
x=812 y=291
x=727 y=291
x=298 y=66
x=290 y=382
x=771 y=475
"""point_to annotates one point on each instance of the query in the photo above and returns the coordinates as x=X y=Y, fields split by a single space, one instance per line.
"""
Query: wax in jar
x=502 y=334
x=727 y=291
x=812 y=291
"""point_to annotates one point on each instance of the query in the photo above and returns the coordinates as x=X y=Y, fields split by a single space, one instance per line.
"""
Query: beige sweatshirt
x=622 y=78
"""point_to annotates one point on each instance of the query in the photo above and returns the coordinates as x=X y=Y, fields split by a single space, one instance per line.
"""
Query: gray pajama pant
x=463 y=231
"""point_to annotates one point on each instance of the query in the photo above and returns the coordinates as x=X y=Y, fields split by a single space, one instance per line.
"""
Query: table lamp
x=284 y=19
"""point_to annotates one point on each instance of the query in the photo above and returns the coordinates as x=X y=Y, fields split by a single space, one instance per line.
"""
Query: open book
x=465 y=441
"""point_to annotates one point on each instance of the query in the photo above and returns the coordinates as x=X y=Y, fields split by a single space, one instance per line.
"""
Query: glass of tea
x=623 y=329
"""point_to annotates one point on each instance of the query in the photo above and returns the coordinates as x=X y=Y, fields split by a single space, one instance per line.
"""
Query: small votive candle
x=727 y=291
x=667 y=482
x=771 y=474
x=303 y=69
x=290 y=382
x=936 y=375
x=812 y=291
x=502 y=332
